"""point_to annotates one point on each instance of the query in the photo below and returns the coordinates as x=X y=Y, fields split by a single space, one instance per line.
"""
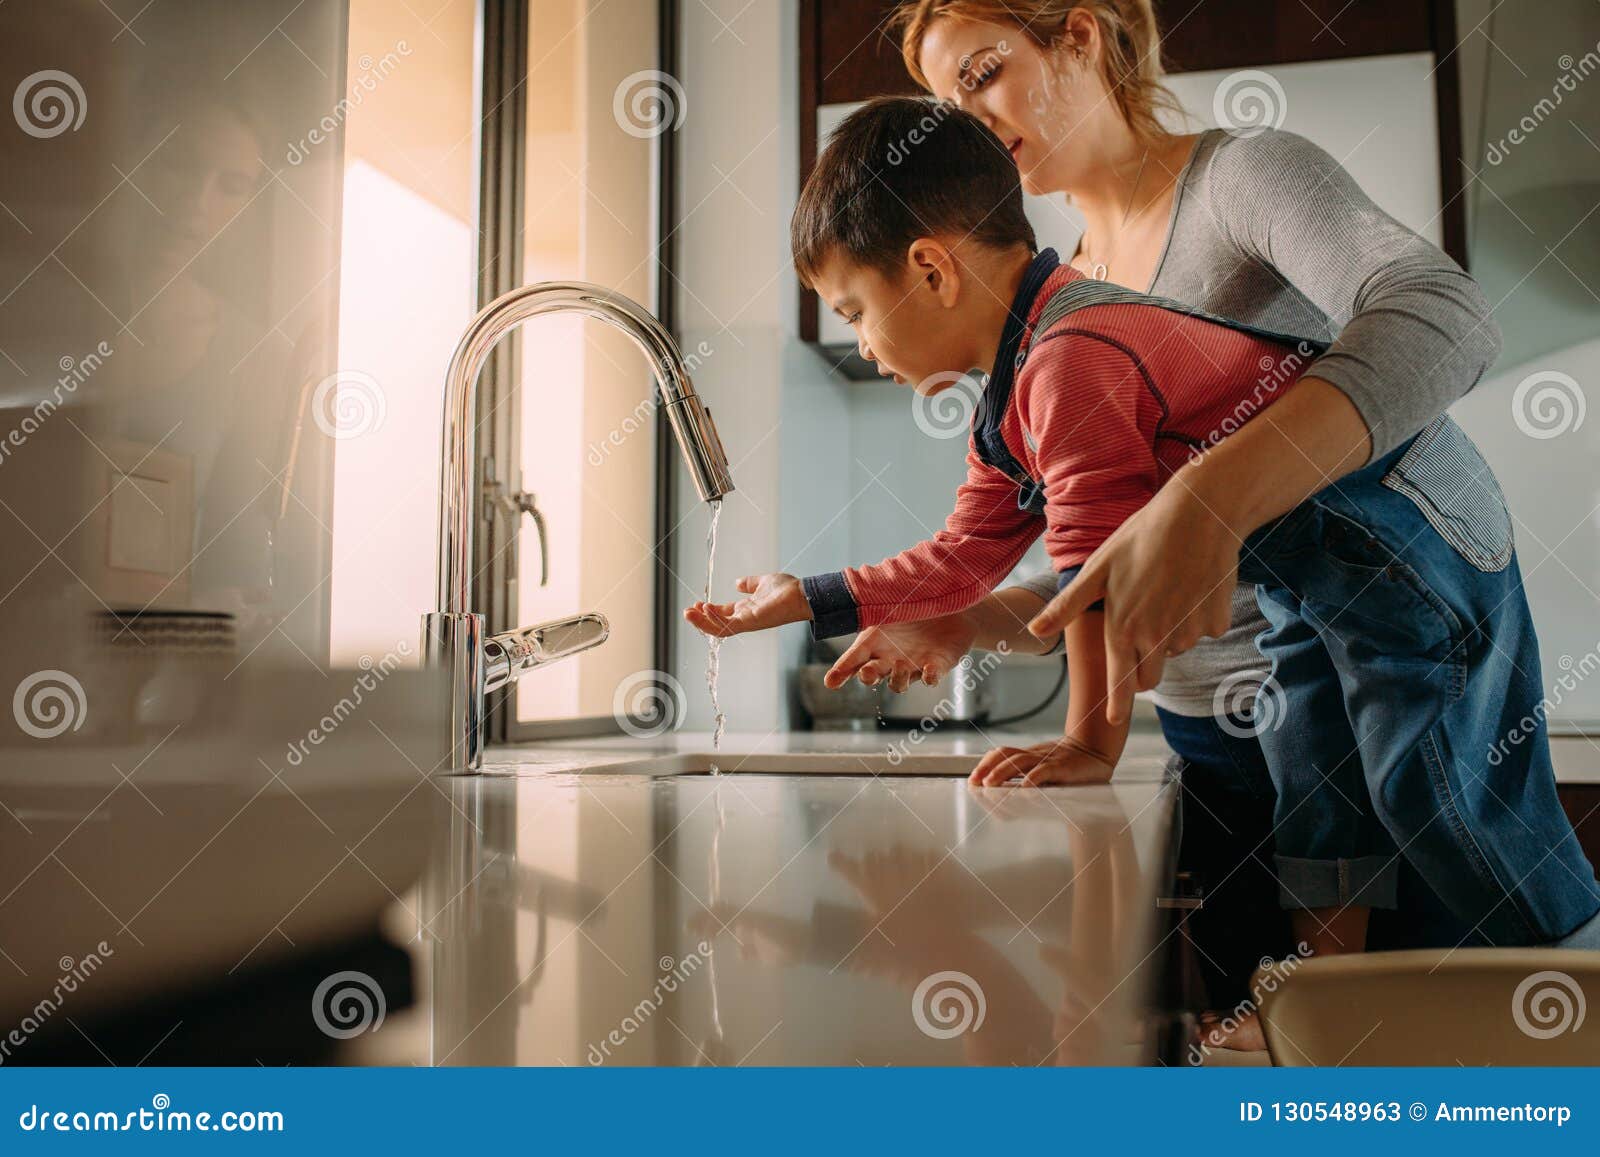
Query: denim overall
x=1403 y=715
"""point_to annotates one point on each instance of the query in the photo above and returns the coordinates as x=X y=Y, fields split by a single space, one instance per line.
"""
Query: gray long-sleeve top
x=1270 y=230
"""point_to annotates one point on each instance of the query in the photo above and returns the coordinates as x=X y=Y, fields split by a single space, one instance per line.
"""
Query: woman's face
x=1043 y=103
x=202 y=179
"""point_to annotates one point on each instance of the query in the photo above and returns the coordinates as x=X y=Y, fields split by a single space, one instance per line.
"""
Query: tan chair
x=1468 y=1006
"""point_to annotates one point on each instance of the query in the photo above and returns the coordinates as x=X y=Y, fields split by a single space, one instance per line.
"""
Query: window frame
x=502 y=186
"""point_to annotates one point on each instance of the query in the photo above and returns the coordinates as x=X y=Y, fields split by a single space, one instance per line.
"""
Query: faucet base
x=454 y=642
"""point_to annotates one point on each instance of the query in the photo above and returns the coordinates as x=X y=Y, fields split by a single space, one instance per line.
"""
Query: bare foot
x=1238 y=1031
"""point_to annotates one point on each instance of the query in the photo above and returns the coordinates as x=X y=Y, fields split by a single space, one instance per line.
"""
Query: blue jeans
x=1399 y=630
x=1229 y=831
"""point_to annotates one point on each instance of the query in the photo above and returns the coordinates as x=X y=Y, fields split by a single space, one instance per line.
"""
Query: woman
x=1262 y=228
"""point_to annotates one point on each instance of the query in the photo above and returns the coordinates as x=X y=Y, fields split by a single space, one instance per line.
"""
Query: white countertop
x=590 y=906
x=583 y=919
x=1577 y=758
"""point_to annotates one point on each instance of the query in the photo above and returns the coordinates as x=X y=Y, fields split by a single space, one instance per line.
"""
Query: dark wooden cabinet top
x=857 y=57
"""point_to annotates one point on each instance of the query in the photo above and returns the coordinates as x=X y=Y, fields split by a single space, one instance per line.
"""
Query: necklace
x=1098 y=269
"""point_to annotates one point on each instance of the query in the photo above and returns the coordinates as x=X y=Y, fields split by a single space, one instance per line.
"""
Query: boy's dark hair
x=899 y=168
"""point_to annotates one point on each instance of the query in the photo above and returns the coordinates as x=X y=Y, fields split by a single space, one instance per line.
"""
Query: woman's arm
x=1415 y=334
x=1167 y=574
x=1312 y=437
x=1414 y=331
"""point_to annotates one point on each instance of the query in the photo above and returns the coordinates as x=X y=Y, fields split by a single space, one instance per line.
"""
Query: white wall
x=1552 y=486
x=1531 y=126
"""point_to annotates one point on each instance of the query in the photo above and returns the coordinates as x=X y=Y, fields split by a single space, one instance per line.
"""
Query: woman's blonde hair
x=1130 y=60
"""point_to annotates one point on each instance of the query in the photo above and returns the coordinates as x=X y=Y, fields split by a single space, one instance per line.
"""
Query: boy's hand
x=1061 y=761
x=926 y=651
x=775 y=599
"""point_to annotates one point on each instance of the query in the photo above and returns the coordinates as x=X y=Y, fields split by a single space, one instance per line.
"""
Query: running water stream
x=713 y=643
x=715 y=1047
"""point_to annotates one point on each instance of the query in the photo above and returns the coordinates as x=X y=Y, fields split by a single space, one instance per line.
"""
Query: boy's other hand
x=925 y=651
x=773 y=600
x=1061 y=761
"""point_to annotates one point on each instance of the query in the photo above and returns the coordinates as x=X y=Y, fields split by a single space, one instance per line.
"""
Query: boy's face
x=910 y=323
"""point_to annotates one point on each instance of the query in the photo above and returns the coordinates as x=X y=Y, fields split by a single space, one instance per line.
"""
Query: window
x=588 y=413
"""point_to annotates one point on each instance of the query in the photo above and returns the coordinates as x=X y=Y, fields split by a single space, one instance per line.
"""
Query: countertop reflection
x=778 y=920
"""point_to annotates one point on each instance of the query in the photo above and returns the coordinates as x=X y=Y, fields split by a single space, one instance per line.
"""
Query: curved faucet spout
x=691 y=421
x=453 y=637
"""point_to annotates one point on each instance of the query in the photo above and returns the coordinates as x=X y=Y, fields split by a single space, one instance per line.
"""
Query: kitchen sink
x=951 y=756
x=790 y=763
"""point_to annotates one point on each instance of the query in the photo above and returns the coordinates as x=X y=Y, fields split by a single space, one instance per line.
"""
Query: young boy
x=1396 y=605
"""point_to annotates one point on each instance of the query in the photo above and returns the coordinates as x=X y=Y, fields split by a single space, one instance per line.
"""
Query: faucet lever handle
x=510 y=655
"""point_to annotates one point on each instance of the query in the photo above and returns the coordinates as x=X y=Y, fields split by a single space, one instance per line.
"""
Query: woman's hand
x=926 y=651
x=1167 y=574
x=775 y=599
x=1167 y=577
x=1061 y=761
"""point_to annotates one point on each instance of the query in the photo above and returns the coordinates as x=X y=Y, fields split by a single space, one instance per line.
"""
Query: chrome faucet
x=453 y=636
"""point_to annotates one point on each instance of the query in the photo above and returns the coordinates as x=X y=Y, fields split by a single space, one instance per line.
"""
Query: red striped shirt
x=1110 y=401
